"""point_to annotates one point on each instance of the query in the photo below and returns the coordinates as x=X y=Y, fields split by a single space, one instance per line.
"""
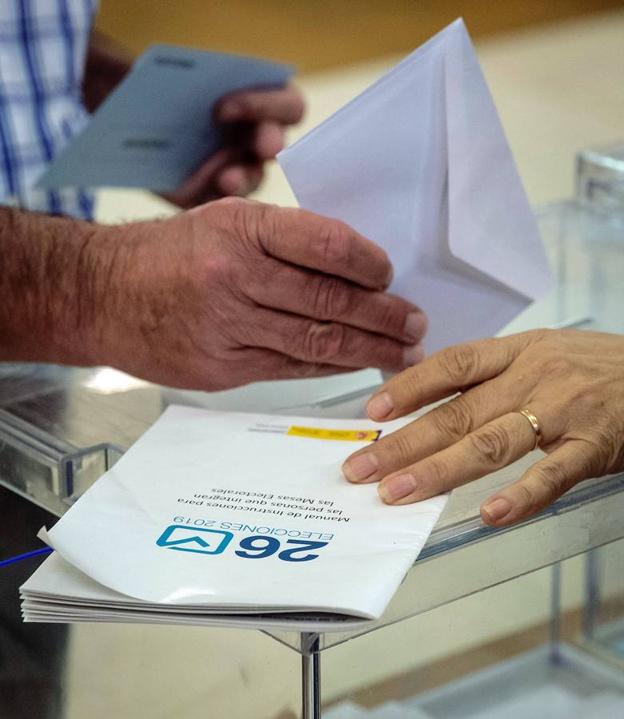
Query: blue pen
x=26 y=555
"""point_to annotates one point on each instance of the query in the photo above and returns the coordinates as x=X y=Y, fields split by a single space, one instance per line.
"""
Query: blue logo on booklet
x=192 y=539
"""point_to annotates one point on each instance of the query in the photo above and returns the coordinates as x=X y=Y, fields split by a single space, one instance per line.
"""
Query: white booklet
x=232 y=519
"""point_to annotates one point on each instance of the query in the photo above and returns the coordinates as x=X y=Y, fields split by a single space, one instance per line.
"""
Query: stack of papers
x=232 y=519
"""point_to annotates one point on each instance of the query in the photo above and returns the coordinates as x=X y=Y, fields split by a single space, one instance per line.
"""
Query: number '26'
x=259 y=547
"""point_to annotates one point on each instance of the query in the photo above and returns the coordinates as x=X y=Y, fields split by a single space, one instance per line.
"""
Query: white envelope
x=419 y=163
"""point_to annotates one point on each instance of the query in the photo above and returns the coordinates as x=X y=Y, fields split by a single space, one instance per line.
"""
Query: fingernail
x=413 y=355
x=415 y=326
x=497 y=509
x=360 y=467
x=379 y=406
x=396 y=488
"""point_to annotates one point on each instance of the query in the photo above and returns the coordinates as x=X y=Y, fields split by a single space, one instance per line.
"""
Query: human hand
x=571 y=381
x=255 y=123
x=237 y=291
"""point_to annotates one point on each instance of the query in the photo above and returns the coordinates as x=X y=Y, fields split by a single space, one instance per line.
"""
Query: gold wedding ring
x=535 y=425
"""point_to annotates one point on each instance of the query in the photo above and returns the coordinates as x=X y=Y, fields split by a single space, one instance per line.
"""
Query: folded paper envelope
x=419 y=163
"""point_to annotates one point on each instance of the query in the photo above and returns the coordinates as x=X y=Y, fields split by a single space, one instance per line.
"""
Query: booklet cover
x=231 y=518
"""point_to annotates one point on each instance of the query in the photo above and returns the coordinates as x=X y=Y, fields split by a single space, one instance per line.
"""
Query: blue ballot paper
x=157 y=126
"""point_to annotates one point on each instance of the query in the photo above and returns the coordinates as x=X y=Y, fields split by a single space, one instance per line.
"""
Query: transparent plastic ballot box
x=61 y=428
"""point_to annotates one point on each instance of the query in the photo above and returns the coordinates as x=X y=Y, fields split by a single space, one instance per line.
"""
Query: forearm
x=52 y=279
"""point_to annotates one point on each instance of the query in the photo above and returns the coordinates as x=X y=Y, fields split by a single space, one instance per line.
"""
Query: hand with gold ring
x=561 y=390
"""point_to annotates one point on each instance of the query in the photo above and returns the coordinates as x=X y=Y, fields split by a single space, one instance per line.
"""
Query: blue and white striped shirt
x=43 y=46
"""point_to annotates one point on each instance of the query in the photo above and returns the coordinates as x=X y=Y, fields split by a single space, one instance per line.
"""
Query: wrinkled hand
x=237 y=291
x=572 y=381
x=255 y=123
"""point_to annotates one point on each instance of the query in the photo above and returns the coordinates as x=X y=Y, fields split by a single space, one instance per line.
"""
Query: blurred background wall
x=318 y=34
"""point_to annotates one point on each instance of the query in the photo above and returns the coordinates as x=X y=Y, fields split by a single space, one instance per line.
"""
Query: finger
x=255 y=175
x=200 y=186
x=323 y=297
x=445 y=373
x=245 y=365
x=239 y=180
x=481 y=452
x=320 y=243
x=439 y=428
x=268 y=140
x=323 y=342
x=542 y=484
x=285 y=106
x=253 y=364
x=250 y=143
x=232 y=181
